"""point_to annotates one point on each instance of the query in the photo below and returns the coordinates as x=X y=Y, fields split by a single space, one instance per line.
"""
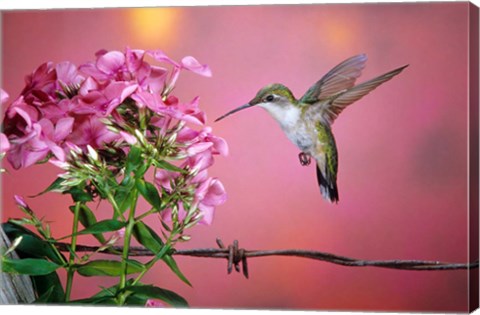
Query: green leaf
x=123 y=195
x=79 y=195
x=102 y=186
x=87 y=218
x=48 y=288
x=149 y=192
x=148 y=238
x=104 y=300
x=133 y=300
x=141 y=170
x=55 y=186
x=168 y=259
x=151 y=291
x=38 y=248
x=111 y=291
x=31 y=246
x=104 y=296
x=108 y=225
x=45 y=297
x=134 y=159
x=111 y=268
x=167 y=166
x=29 y=266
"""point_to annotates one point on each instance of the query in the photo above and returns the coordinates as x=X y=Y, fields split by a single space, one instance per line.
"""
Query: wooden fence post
x=14 y=289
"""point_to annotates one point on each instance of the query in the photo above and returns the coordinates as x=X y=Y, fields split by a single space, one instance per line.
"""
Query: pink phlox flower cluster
x=64 y=106
x=63 y=103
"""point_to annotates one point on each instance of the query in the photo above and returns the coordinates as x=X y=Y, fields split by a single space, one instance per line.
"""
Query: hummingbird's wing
x=331 y=108
x=340 y=78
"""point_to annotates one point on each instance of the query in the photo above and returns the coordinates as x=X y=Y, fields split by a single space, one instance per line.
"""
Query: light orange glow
x=153 y=25
x=339 y=35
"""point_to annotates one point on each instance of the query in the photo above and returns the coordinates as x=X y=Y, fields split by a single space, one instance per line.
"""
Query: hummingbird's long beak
x=234 y=111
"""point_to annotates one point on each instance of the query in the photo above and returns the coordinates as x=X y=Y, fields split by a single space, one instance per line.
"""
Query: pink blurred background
x=402 y=149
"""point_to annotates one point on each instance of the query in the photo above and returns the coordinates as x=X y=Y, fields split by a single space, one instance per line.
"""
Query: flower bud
x=14 y=245
x=184 y=238
x=92 y=153
x=20 y=201
x=140 y=137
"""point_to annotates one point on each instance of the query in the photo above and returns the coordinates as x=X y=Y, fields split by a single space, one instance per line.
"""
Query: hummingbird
x=307 y=121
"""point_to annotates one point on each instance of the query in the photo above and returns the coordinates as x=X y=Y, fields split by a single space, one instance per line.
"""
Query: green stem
x=143 y=118
x=126 y=245
x=114 y=204
x=146 y=214
x=71 y=260
x=150 y=264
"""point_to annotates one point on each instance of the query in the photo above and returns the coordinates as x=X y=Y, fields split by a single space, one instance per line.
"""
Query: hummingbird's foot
x=304 y=158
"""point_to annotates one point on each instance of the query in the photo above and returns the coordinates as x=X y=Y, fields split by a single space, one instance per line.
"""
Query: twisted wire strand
x=237 y=257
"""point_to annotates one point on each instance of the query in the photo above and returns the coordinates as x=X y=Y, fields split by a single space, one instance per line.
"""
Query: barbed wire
x=237 y=257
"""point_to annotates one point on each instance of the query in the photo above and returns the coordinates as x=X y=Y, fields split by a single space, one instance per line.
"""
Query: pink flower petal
x=22 y=113
x=202 y=189
x=3 y=96
x=19 y=200
x=90 y=131
x=90 y=69
x=193 y=65
x=57 y=151
x=157 y=78
x=207 y=213
x=201 y=161
x=209 y=194
x=100 y=52
x=43 y=78
x=166 y=215
x=128 y=138
x=4 y=143
x=219 y=144
x=186 y=134
x=60 y=164
x=134 y=59
x=154 y=303
x=162 y=57
x=29 y=158
x=110 y=62
x=163 y=178
x=103 y=102
x=147 y=99
x=198 y=147
x=88 y=85
x=46 y=128
x=216 y=194
x=171 y=100
x=197 y=118
x=117 y=92
x=120 y=233
x=201 y=177
x=63 y=128
x=67 y=73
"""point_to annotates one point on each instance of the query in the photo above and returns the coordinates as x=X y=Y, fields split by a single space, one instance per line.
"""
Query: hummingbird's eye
x=269 y=98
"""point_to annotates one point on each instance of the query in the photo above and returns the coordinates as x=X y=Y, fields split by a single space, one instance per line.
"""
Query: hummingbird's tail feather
x=328 y=186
